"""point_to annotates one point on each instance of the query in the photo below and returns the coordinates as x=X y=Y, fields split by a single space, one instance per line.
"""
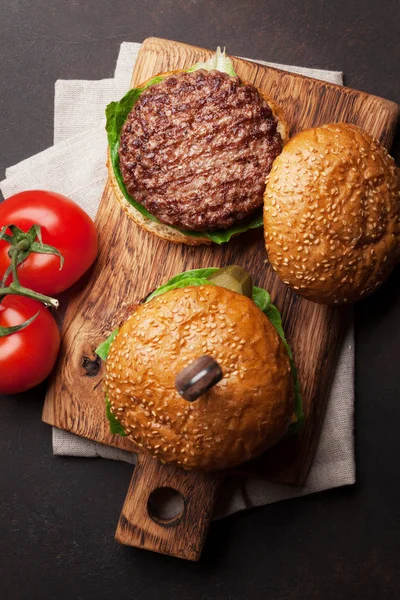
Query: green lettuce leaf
x=116 y=114
x=224 y=235
x=195 y=276
x=274 y=316
x=218 y=62
x=104 y=347
x=103 y=351
x=179 y=284
x=260 y=297
x=192 y=274
x=115 y=426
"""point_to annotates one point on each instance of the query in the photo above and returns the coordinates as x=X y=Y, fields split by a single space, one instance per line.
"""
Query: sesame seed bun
x=332 y=214
x=240 y=417
x=161 y=230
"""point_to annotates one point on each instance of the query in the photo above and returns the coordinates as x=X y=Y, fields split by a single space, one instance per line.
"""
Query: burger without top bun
x=197 y=314
x=332 y=214
x=190 y=151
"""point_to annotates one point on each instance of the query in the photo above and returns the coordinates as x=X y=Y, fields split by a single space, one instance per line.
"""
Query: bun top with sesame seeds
x=240 y=417
x=332 y=214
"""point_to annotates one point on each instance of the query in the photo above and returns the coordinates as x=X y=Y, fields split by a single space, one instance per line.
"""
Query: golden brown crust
x=332 y=214
x=244 y=414
x=159 y=229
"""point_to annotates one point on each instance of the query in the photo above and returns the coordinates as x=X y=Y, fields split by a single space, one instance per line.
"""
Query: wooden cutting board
x=131 y=263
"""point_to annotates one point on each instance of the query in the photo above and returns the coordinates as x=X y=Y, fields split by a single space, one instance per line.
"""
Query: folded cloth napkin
x=75 y=166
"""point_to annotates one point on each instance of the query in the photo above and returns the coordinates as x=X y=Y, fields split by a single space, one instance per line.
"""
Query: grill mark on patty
x=196 y=148
x=169 y=141
x=196 y=109
x=211 y=121
x=187 y=179
x=173 y=167
x=217 y=130
x=216 y=126
x=196 y=158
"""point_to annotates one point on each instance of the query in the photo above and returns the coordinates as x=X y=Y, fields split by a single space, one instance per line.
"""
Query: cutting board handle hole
x=166 y=506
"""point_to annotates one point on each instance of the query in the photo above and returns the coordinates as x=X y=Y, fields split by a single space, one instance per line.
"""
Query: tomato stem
x=18 y=290
x=4 y=331
x=22 y=243
x=14 y=261
x=15 y=287
x=15 y=252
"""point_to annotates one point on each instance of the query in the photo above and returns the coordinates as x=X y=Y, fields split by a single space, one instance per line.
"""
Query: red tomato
x=28 y=356
x=64 y=225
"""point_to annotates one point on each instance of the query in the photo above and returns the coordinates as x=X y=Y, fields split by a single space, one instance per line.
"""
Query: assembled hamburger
x=332 y=214
x=198 y=319
x=189 y=152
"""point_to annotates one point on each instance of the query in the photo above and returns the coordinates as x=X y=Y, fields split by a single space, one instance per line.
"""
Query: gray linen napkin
x=75 y=166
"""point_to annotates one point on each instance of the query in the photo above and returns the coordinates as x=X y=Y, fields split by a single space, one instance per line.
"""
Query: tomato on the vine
x=63 y=225
x=27 y=356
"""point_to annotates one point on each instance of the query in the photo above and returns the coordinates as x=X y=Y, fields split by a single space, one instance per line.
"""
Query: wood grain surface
x=182 y=537
x=131 y=263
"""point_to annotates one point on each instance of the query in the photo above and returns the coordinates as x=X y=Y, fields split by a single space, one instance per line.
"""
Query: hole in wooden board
x=166 y=506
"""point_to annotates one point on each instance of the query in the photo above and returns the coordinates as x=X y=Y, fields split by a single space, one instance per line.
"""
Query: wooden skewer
x=198 y=378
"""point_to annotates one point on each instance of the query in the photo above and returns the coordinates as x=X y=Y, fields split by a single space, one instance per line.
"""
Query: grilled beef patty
x=196 y=148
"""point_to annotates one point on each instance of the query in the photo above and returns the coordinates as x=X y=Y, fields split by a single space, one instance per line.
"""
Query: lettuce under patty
x=260 y=297
x=116 y=114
